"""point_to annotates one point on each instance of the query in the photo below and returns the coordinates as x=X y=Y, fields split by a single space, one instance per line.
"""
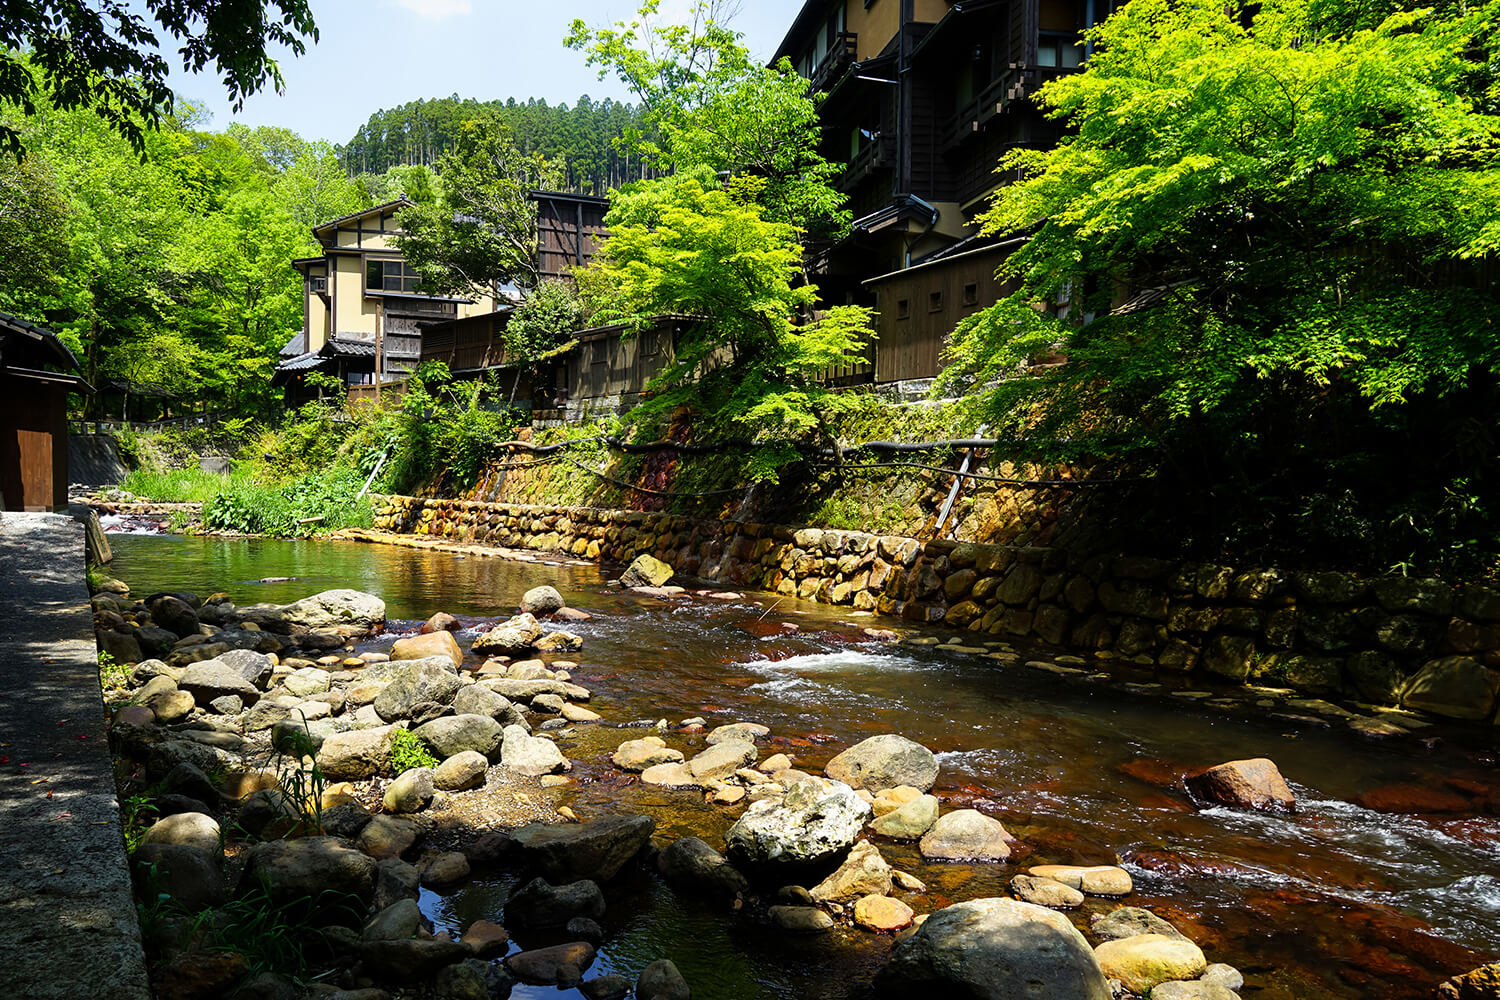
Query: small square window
x=903 y=308
x=971 y=294
x=934 y=302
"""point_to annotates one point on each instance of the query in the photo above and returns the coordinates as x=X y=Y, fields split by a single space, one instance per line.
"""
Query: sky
x=376 y=54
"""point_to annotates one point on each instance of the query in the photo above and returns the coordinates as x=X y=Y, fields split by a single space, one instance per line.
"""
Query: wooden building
x=360 y=295
x=569 y=228
x=922 y=97
x=37 y=371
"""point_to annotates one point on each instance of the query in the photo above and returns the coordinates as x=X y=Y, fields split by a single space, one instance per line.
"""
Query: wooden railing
x=172 y=423
x=840 y=56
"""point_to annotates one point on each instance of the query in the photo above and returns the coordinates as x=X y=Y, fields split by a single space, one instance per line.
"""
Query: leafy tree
x=482 y=232
x=550 y=312
x=1262 y=231
x=102 y=54
x=752 y=359
x=706 y=103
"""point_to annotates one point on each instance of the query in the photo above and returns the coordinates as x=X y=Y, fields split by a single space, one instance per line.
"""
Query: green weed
x=407 y=752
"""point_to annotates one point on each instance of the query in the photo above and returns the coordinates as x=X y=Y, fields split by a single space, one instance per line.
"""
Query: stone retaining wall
x=1423 y=643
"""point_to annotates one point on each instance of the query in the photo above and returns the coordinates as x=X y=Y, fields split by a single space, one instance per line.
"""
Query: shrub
x=408 y=752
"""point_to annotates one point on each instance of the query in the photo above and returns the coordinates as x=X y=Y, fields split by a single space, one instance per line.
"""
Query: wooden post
x=379 y=344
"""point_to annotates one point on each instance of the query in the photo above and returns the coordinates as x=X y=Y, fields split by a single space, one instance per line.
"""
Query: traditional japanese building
x=923 y=97
x=37 y=371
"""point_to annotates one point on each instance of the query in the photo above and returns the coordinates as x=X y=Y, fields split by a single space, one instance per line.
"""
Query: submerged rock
x=539 y=903
x=596 y=850
x=662 y=981
x=690 y=863
x=1096 y=880
x=995 y=949
x=1245 y=784
x=1128 y=921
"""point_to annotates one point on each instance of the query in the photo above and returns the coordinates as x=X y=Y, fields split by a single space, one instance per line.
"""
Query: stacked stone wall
x=1424 y=643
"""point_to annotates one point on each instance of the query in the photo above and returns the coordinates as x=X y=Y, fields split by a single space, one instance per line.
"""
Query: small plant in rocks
x=408 y=752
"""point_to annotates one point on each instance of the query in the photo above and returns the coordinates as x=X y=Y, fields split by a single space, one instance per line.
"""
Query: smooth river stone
x=1099 y=880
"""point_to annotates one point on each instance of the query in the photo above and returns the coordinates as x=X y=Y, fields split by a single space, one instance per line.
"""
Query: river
x=1336 y=901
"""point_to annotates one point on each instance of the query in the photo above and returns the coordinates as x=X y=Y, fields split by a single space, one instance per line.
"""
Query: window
x=320 y=284
x=1059 y=51
x=971 y=294
x=903 y=308
x=390 y=276
x=934 y=302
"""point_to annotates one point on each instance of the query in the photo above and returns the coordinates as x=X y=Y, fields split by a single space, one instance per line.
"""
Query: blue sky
x=380 y=53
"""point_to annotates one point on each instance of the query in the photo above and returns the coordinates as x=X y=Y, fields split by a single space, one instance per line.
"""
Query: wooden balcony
x=877 y=154
x=1010 y=87
x=839 y=58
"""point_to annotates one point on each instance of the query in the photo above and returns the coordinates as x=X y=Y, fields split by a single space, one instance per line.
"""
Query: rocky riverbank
x=272 y=749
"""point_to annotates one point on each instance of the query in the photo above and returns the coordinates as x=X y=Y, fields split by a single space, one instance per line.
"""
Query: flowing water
x=1336 y=901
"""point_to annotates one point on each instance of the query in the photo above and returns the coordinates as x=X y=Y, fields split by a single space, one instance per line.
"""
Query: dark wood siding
x=569 y=230
x=912 y=347
x=467 y=344
x=34 y=445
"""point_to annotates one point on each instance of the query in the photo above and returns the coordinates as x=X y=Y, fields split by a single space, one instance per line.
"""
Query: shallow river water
x=1336 y=901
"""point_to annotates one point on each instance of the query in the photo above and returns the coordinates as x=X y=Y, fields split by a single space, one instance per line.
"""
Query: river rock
x=1145 y=961
x=747 y=731
x=347 y=608
x=173 y=706
x=509 y=637
x=525 y=690
x=540 y=904
x=1244 y=784
x=1482 y=983
x=1097 y=880
x=410 y=792
x=541 y=601
x=1458 y=687
x=462 y=771
x=671 y=775
x=610 y=987
x=395 y=879
x=442 y=621
x=1046 y=892
x=195 y=830
x=472 y=979
x=453 y=734
x=476 y=699
x=908 y=821
x=995 y=949
x=413 y=959
x=596 y=850
x=409 y=683
x=533 y=755
x=174 y=615
x=345 y=819
x=863 y=872
x=387 y=837
x=306 y=681
x=560 y=965
x=1227 y=976
x=254 y=667
x=212 y=678
x=966 y=835
x=690 y=863
x=396 y=922
x=486 y=938
x=308 y=866
x=813 y=823
x=885 y=762
x=1193 y=989
x=192 y=878
x=646 y=571
x=1128 y=921
x=559 y=642
x=801 y=919
x=357 y=754
x=882 y=914
x=722 y=760
x=123 y=647
x=637 y=755
x=662 y=981
x=421 y=646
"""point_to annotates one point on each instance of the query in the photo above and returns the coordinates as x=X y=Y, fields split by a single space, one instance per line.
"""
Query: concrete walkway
x=68 y=928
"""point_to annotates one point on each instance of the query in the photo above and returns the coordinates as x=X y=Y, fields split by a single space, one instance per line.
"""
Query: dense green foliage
x=551 y=311
x=407 y=752
x=1266 y=231
x=576 y=141
x=102 y=54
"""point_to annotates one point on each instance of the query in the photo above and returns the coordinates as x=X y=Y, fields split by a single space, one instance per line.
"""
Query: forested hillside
x=577 y=139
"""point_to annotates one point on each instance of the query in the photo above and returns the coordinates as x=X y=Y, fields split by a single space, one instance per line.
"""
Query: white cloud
x=437 y=9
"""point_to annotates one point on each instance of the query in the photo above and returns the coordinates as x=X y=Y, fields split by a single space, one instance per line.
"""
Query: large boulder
x=1455 y=686
x=418 y=647
x=511 y=636
x=309 y=867
x=661 y=980
x=210 y=679
x=190 y=829
x=356 y=755
x=174 y=615
x=527 y=754
x=596 y=850
x=813 y=823
x=884 y=762
x=995 y=949
x=253 y=666
x=411 y=792
x=966 y=835
x=453 y=734
x=689 y=863
x=411 y=682
x=348 y=608
x=559 y=965
x=465 y=769
x=539 y=903
x=1244 y=784
x=190 y=877
x=1147 y=960
x=863 y=872
x=646 y=571
x=541 y=601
